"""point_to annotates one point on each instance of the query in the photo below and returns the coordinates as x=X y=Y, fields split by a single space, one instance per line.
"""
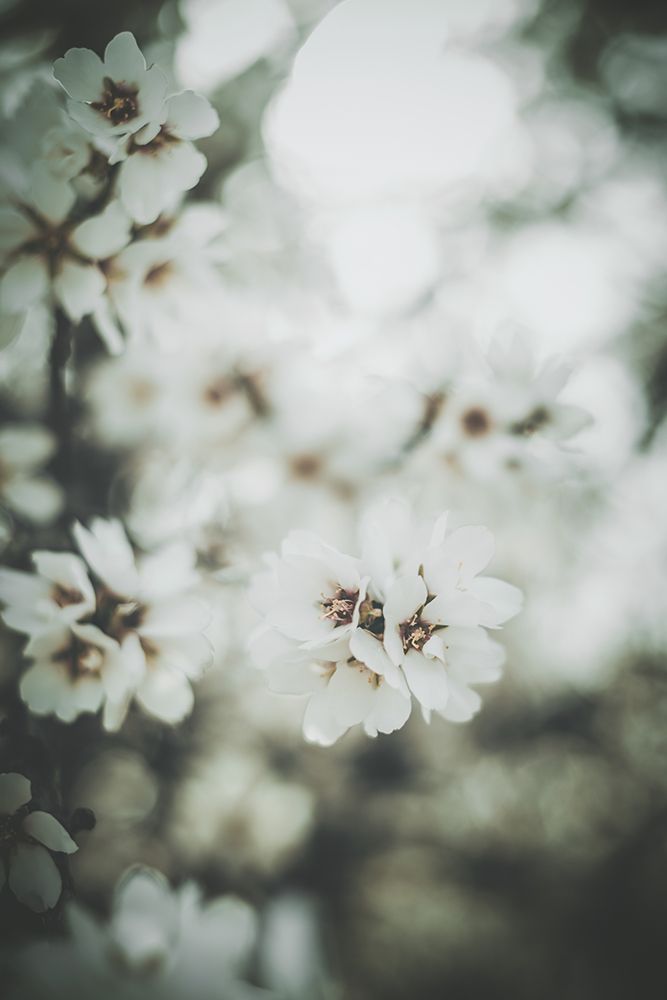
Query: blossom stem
x=59 y=408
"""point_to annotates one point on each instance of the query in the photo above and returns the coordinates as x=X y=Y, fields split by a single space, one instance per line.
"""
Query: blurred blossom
x=406 y=113
x=223 y=38
x=157 y=943
x=232 y=797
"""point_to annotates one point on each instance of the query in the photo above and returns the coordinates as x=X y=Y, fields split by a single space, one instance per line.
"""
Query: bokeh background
x=433 y=172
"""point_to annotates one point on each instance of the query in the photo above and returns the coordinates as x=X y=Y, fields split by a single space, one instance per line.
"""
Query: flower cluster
x=158 y=942
x=27 y=836
x=135 y=630
x=78 y=217
x=362 y=636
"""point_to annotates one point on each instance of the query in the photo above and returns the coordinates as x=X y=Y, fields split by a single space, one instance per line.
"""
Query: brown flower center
x=415 y=633
x=476 y=421
x=118 y=103
x=339 y=609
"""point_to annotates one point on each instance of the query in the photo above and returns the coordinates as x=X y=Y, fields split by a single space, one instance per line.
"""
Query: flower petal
x=34 y=878
x=80 y=72
x=45 y=828
x=426 y=679
x=23 y=284
x=166 y=694
x=78 y=288
x=103 y=235
x=123 y=59
x=191 y=116
x=15 y=792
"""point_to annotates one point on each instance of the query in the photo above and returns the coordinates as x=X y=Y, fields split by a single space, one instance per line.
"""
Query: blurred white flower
x=45 y=256
x=117 y=96
x=57 y=595
x=504 y=416
x=158 y=942
x=27 y=838
x=28 y=491
x=151 y=599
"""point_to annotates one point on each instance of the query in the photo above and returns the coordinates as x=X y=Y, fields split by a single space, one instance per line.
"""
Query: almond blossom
x=158 y=942
x=28 y=837
x=361 y=636
x=116 y=96
x=136 y=632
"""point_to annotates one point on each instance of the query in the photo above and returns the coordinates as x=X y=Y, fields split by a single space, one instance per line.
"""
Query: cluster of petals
x=364 y=636
x=135 y=630
x=122 y=157
x=156 y=942
x=28 y=838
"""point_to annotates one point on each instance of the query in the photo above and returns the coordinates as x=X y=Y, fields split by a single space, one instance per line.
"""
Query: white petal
x=25 y=446
x=81 y=73
x=34 y=878
x=15 y=792
x=463 y=702
x=369 y=650
x=107 y=326
x=78 y=288
x=15 y=229
x=470 y=549
x=11 y=326
x=45 y=828
x=106 y=549
x=350 y=693
x=179 y=616
x=501 y=600
x=319 y=725
x=190 y=116
x=23 y=284
x=426 y=679
x=123 y=59
x=104 y=235
x=390 y=711
x=166 y=694
x=38 y=499
x=67 y=570
x=52 y=196
x=405 y=597
x=456 y=608
x=150 y=183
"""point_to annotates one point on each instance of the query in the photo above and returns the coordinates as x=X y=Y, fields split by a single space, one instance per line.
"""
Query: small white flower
x=114 y=97
x=506 y=417
x=156 y=170
x=33 y=495
x=58 y=594
x=26 y=838
x=45 y=256
x=151 y=599
x=81 y=669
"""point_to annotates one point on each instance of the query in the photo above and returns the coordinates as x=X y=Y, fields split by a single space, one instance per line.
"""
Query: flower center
x=64 y=596
x=81 y=659
x=415 y=633
x=159 y=274
x=118 y=103
x=476 y=421
x=536 y=419
x=339 y=609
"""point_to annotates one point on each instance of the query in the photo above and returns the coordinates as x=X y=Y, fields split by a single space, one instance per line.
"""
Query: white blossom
x=28 y=837
x=24 y=486
x=116 y=96
x=157 y=942
x=360 y=640
x=156 y=170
